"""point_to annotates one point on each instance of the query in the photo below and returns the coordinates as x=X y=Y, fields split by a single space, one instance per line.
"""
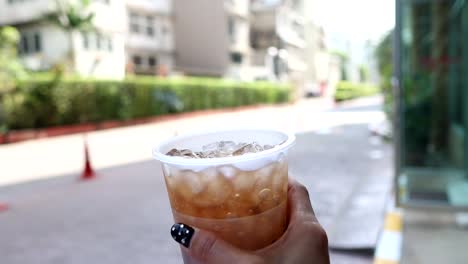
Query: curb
x=16 y=136
x=3 y=207
x=389 y=246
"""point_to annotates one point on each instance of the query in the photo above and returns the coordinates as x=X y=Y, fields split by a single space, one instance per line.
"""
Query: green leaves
x=43 y=102
x=72 y=16
x=348 y=90
x=10 y=67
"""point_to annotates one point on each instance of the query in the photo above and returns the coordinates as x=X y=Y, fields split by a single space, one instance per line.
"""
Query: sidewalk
x=123 y=216
x=433 y=237
x=45 y=158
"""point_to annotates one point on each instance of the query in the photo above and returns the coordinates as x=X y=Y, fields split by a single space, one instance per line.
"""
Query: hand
x=304 y=241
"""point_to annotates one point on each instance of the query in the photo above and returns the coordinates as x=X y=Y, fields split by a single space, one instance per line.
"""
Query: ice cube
x=185 y=153
x=221 y=149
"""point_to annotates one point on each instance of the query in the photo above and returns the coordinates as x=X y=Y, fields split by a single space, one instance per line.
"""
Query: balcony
x=149 y=6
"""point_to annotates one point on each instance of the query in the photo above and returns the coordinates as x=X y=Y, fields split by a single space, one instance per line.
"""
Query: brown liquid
x=246 y=208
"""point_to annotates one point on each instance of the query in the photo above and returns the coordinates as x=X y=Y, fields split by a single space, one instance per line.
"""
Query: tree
x=384 y=55
x=72 y=17
x=10 y=67
x=11 y=70
x=363 y=73
x=344 y=59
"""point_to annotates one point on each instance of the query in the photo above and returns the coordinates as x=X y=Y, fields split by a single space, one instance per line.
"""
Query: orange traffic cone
x=3 y=207
x=88 y=172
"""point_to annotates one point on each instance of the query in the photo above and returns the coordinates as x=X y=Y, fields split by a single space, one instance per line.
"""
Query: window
x=142 y=24
x=231 y=29
x=109 y=44
x=137 y=60
x=37 y=42
x=236 y=57
x=152 y=62
x=24 y=47
x=150 y=26
x=134 y=25
x=98 y=42
x=30 y=42
x=85 y=40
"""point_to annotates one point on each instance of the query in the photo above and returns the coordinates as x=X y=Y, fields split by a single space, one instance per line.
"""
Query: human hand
x=304 y=241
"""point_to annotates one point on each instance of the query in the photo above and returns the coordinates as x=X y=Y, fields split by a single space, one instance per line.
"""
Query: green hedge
x=43 y=101
x=348 y=90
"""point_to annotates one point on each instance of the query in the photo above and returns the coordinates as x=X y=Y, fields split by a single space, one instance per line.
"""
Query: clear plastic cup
x=243 y=199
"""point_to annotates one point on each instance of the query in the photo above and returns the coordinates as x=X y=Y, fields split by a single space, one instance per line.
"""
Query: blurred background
x=375 y=91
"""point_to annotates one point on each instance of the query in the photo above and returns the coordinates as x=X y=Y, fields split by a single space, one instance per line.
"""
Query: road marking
x=390 y=243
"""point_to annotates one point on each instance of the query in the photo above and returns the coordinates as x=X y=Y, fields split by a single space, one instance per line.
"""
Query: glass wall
x=432 y=72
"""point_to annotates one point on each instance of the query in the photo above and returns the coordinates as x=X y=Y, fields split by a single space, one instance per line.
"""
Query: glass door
x=432 y=145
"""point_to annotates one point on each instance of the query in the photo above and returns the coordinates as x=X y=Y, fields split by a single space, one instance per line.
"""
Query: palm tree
x=72 y=17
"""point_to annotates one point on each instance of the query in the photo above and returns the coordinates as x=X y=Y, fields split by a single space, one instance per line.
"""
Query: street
x=123 y=216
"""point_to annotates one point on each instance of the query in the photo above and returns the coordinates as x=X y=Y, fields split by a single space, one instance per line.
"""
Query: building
x=43 y=44
x=278 y=39
x=149 y=42
x=431 y=129
x=212 y=38
x=130 y=36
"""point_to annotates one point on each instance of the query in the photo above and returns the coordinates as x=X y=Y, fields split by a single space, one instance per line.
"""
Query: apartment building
x=278 y=39
x=98 y=53
x=130 y=36
x=149 y=41
x=212 y=38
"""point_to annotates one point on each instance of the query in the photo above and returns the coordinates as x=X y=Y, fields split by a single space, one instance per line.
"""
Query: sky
x=348 y=24
x=356 y=20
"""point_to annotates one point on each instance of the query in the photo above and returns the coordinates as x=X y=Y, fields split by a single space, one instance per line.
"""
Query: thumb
x=206 y=247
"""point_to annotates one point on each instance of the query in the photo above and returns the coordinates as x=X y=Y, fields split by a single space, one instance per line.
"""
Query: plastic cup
x=242 y=199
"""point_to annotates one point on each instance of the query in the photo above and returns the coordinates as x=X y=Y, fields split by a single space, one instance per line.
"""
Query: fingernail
x=182 y=234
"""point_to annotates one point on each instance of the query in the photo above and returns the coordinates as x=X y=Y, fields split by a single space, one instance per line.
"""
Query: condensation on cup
x=242 y=199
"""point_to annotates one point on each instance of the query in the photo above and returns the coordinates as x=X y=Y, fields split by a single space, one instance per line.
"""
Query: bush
x=42 y=101
x=348 y=90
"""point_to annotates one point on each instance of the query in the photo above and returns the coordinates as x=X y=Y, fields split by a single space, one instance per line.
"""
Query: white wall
x=101 y=63
x=54 y=42
x=158 y=41
x=237 y=7
x=55 y=49
x=159 y=6
x=110 y=17
x=22 y=11
x=242 y=35
x=110 y=21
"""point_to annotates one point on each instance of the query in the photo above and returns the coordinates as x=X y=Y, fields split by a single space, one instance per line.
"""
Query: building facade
x=212 y=37
x=278 y=39
x=149 y=42
x=431 y=129
x=44 y=44
x=128 y=37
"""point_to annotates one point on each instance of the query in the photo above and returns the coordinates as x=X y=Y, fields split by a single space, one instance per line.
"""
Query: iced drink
x=233 y=183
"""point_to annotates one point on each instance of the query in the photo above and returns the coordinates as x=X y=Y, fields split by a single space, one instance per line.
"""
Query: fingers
x=207 y=248
x=304 y=238
x=299 y=202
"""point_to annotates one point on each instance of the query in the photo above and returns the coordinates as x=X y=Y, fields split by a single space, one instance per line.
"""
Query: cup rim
x=180 y=161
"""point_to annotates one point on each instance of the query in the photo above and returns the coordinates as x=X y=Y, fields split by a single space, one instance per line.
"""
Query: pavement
x=123 y=216
x=434 y=237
